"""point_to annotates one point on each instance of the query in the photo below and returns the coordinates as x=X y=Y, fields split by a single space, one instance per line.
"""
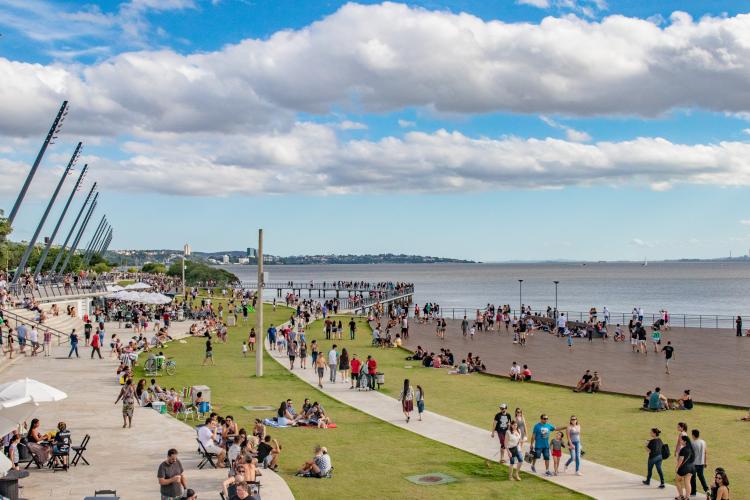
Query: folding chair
x=33 y=459
x=60 y=458
x=24 y=455
x=207 y=457
x=79 y=451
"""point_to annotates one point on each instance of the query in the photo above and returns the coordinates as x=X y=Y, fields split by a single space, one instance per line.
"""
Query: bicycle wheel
x=171 y=368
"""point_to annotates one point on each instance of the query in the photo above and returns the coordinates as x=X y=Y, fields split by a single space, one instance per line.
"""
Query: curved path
x=598 y=481
x=125 y=460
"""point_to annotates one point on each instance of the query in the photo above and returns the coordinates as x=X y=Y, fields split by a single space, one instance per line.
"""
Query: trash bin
x=380 y=379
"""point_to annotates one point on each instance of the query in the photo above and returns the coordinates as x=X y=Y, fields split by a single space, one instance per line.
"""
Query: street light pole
x=259 y=310
x=556 y=283
x=520 y=298
x=185 y=253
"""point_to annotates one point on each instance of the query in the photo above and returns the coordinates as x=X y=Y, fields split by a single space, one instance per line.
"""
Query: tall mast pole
x=27 y=253
x=51 y=135
x=73 y=228
x=79 y=234
x=59 y=221
x=259 y=310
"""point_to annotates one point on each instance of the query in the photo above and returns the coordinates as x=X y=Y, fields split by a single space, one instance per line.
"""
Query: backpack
x=665 y=453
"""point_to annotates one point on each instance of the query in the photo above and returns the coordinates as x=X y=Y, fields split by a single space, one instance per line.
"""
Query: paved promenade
x=708 y=361
x=598 y=481
x=125 y=460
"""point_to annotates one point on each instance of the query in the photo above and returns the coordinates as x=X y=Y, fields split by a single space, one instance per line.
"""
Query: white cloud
x=640 y=243
x=746 y=222
x=542 y=4
x=381 y=58
x=350 y=125
x=571 y=133
x=747 y=131
x=406 y=123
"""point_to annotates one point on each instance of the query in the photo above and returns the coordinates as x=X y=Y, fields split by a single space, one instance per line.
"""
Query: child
x=473 y=330
x=244 y=349
x=557 y=445
x=570 y=341
x=15 y=438
x=618 y=333
x=252 y=340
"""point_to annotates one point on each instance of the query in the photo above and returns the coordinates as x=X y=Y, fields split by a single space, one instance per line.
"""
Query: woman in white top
x=513 y=444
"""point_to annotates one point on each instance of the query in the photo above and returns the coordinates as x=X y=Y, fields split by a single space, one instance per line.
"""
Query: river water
x=691 y=287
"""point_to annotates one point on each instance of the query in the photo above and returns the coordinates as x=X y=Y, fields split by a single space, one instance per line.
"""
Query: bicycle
x=153 y=367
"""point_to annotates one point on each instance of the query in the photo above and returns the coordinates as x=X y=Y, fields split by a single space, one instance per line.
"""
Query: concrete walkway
x=125 y=460
x=598 y=481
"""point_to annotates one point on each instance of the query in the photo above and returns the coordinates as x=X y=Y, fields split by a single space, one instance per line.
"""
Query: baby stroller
x=362 y=382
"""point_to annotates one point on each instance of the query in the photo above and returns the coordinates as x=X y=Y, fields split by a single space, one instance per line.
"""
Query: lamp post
x=520 y=298
x=259 y=310
x=185 y=253
x=556 y=283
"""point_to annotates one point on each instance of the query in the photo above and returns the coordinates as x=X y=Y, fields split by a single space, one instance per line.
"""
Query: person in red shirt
x=372 y=370
x=95 y=347
x=526 y=373
x=356 y=366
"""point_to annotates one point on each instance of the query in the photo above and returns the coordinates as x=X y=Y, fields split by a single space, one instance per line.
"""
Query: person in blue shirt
x=272 y=337
x=540 y=442
x=73 y=343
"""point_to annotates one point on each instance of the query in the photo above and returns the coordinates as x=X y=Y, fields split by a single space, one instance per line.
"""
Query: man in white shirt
x=207 y=437
x=606 y=315
x=515 y=371
x=34 y=339
x=701 y=458
x=333 y=361
x=562 y=323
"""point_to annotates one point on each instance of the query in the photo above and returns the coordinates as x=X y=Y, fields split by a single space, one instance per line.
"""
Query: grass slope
x=614 y=430
x=371 y=458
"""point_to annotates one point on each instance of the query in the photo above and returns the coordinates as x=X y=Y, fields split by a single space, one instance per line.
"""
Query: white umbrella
x=12 y=416
x=24 y=390
x=5 y=464
x=138 y=286
x=115 y=288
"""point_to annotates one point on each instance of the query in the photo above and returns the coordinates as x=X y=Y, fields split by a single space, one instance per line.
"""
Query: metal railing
x=317 y=286
x=348 y=304
x=676 y=320
x=61 y=336
x=51 y=290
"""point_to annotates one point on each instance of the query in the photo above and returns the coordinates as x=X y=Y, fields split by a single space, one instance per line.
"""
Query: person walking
x=738 y=324
x=685 y=468
x=540 y=442
x=333 y=361
x=171 y=477
x=514 y=441
x=656 y=451
x=209 y=352
x=73 y=343
x=407 y=399
x=344 y=365
x=574 y=444
x=127 y=395
x=668 y=351
x=419 y=396
x=320 y=367
x=291 y=351
x=96 y=347
x=500 y=426
x=352 y=329
x=700 y=452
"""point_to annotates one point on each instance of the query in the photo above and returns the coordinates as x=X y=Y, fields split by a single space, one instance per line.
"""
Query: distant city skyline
x=481 y=130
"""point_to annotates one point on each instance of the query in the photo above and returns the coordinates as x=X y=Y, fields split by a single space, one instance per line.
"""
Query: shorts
x=541 y=452
x=501 y=437
x=420 y=406
x=321 y=372
x=515 y=455
x=291 y=358
x=633 y=341
x=209 y=354
x=213 y=448
x=557 y=453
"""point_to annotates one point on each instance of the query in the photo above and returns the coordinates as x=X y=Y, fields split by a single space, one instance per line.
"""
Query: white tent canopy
x=140 y=297
x=115 y=288
x=138 y=286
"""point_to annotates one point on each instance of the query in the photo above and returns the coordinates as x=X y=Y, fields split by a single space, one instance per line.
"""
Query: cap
x=504 y=406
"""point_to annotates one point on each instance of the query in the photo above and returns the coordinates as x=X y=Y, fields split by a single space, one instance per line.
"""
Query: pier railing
x=677 y=320
x=53 y=290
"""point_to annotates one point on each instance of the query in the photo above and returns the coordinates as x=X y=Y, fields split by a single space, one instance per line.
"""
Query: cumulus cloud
x=350 y=125
x=640 y=243
x=541 y=4
x=409 y=123
x=745 y=222
x=382 y=58
x=313 y=158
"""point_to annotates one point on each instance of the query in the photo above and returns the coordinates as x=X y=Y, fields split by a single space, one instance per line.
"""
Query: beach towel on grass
x=272 y=423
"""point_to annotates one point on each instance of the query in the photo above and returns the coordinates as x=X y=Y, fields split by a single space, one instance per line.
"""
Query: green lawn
x=614 y=430
x=371 y=458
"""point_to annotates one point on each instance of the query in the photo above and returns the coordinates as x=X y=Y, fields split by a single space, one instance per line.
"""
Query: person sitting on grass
x=596 y=383
x=657 y=401
x=526 y=373
x=268 y=453
x=478 y=366
x=317 y=416
x=685 y=402
x=585 y=383
x=515 y=372
x=746 y=418
x=319 y=466
x=463 y=368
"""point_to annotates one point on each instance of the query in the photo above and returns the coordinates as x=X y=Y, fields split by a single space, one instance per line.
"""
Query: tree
x=5 y=230
x=154 y=268
x=101 y=267
x=196 y=272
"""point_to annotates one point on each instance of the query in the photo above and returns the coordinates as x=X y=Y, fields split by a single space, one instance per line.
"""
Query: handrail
x=319 y=285
x=53 y=290
x=40 y=326
x=675 y=319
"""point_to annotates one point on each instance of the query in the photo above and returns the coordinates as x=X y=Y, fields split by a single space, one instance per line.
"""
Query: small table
x=9 y=483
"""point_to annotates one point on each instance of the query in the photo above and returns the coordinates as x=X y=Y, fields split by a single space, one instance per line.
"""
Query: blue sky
x=490 y=130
